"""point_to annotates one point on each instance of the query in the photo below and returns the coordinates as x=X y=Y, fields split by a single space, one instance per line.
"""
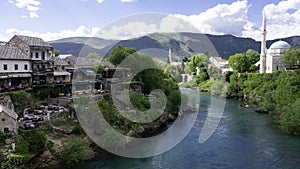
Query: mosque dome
x=280 y=45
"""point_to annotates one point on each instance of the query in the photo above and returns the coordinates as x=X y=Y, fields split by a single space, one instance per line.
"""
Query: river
x=243 y=139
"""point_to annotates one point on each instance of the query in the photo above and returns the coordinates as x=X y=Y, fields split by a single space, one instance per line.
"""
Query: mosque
x=271 y=59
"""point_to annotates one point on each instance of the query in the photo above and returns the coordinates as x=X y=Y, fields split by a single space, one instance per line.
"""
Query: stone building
x=41 y=57
x=8 y=117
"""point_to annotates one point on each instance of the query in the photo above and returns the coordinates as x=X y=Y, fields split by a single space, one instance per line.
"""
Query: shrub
x=49 y=144
x=36 y=139
x=22 y=147
x=78 y=129
x=75 y=150
x=18 y=97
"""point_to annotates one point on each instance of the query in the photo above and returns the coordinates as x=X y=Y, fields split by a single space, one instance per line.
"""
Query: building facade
x=220 y=63
x=8 y=116
x=41 y=57
x=15 y=69
x=274 y=56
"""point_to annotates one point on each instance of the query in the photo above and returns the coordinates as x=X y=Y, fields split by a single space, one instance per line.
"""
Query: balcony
x=42 y=71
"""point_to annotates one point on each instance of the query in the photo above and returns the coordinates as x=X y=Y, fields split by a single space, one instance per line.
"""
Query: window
x=3 y=120
x=5 y=67
x=16 y=67
x=36 y=54
x=31 y=54
x=43 y=55
x=25 y=67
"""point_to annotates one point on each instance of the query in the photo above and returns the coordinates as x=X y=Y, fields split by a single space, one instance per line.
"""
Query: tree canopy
x=94 y=55
x=118 y=54
x=244 y=62
x=292 y=58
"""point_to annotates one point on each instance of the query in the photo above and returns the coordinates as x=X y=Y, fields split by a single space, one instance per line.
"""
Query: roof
x=7 y=52
x=219 y=59
x=89 y=71
x=10 y=113
x=33 y=41
x=88 y=62
x=58 y=61
x=280 y=45
x=63 y=56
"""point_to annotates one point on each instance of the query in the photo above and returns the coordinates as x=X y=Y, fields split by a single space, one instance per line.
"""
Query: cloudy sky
x=121 y=19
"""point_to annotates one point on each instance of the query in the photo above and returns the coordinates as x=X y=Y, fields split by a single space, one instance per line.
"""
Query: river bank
x=243 y=139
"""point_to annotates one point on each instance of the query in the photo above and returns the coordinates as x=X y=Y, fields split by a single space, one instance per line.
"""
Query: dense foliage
x=292 y=58
x=36 y=139
x=75 y=150
x=277 y=93
x=19 y=97
x=118 y=54
x=148 y=79
x=244 y=62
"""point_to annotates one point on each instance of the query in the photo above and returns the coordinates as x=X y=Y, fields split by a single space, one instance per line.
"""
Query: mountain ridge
x=157 y=44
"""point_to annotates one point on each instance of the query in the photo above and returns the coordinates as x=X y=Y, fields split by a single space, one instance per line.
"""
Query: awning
x=62 y=74
x=19 y=75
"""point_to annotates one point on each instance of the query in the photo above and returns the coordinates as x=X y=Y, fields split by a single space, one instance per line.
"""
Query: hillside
x=158 y=44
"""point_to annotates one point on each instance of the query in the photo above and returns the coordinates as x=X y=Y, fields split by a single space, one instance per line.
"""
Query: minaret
x=170 y=55
x=263 y=52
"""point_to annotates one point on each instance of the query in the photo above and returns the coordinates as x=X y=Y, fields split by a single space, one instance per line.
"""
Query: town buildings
x=220 y=63
x=30 y=62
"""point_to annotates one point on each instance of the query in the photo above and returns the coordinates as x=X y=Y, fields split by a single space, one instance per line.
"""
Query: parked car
x=37 y=118
x=37 y=112
x=29 y=124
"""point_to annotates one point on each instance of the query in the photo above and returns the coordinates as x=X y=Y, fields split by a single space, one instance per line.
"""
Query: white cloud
x=33 y=15
x=221 y=19
x=128 y=1
x=283 y=19
x=81 y=31
x=100 y=1
x=30 y=5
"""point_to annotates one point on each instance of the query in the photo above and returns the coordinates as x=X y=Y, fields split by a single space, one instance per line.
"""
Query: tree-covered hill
x=182 y=45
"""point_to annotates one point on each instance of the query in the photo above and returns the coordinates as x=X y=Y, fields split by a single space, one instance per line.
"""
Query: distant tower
x=170 y=56
x=263 y=52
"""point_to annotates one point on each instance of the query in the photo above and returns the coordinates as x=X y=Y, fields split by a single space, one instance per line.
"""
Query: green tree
x=199 y=60
x=174 y=72
x=244 y=62
x=56 y=52
x=75 y=150
x=292 y=58
x=290 y=119
x=94 y=56
x=36 y=139
x=22 y=147
x=252 y=56
x=118 y=54
x=99 y=68
x=239 y=62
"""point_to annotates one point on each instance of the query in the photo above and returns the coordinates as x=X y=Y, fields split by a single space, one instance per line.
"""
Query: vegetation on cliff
x=277 y=93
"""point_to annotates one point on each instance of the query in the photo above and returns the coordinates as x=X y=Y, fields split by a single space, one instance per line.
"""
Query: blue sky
x=53 y=19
